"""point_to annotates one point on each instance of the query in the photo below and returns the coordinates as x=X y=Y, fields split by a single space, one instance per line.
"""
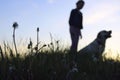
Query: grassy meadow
x=53 y=62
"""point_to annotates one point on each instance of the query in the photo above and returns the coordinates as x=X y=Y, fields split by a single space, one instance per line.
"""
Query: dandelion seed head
x=15 y=25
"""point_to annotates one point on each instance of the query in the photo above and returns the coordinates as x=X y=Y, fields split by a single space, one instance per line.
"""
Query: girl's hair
x=80 y=1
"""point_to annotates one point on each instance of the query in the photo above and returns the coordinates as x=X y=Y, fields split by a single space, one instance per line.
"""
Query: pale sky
x=51 y=16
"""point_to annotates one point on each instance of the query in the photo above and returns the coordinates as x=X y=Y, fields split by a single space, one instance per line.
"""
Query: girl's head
x=80 y=4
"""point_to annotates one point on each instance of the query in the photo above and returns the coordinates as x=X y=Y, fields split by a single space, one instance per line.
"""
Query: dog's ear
x=99 y=36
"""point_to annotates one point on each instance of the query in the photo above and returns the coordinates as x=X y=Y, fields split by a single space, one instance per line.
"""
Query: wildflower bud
x=36 y=48
x=30 y=43
x=44 y=45
x=51 y=43
x=28 y=46
x=57 y=41
x=15 y=25
x=38 y=29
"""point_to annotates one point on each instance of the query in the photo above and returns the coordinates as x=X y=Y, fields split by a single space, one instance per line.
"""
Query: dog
x=97 y=47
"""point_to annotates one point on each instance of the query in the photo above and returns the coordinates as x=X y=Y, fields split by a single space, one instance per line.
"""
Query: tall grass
x=53 y=62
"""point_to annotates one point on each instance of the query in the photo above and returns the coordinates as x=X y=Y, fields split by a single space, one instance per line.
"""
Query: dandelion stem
x=14 y=41
x=37 y=38
x=15 y=25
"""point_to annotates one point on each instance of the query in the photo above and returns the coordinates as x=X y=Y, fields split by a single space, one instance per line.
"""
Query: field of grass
x=54 y=63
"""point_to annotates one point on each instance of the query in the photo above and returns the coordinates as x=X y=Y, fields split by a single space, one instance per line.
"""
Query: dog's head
x=104 y=34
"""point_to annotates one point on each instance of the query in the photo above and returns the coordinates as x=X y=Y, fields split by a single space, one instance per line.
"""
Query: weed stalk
x=37 y=39
x=15 y=25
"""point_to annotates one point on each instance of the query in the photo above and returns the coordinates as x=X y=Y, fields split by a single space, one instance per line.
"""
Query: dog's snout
x=110 y=32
